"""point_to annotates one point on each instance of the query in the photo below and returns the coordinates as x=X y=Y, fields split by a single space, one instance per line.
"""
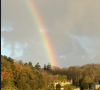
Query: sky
x=73 y=27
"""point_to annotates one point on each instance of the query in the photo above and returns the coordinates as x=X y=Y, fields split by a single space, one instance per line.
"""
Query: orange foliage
x=55 y=79
x=4 y=73
x=17 y=69
x=2 y=89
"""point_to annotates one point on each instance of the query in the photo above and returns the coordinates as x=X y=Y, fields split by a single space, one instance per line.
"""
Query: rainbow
x=44 y=35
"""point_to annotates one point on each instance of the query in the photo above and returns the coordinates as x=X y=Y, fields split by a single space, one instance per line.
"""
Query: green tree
x=86 y=81
x=58 y=86
x=37 y=66
x=49 y=66
x=30 y=63
x=10 y=60
x=45 y=67
x=40 y=81
x=86 y=85
x=5 y=57
x=59 y=77
x=64 y=78
x=25 y=64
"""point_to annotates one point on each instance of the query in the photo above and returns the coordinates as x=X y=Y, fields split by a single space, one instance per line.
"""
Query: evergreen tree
x=49 y=66
x=45 y=67
x=25 y=64
x=37 y=66
x=30 y=63
x=58 y=86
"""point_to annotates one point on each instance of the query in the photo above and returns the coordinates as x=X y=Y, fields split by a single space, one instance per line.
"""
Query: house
x=63 y=83
x=95 y=86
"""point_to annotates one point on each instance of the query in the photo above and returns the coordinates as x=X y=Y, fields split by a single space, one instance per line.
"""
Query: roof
x=95 y=83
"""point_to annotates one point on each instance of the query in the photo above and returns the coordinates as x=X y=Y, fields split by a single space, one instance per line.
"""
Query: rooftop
x=96 y=83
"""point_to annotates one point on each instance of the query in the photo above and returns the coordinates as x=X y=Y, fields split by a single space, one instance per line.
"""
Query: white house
x=63 y=83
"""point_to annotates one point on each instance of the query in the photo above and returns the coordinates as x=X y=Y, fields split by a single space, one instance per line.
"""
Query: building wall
x=97 y=86
x=92 y=85
x=62 y=83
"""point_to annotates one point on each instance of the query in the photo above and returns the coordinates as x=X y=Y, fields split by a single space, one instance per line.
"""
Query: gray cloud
x=61 y=18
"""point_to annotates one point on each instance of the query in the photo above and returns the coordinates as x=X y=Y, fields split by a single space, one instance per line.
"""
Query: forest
x=17 y=75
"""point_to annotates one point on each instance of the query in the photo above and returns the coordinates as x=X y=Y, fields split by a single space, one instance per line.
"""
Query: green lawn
x=75 y=86
x=62 y=86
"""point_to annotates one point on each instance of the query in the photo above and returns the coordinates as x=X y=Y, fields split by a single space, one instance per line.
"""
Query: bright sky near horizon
x=73 y=27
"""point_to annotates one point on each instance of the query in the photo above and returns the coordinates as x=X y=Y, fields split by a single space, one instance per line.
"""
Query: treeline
x=81 y=75
x=17 y=75
x=23 y=76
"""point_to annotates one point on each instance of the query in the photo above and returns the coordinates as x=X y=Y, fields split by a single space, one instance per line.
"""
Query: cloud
x=81 y=18
x=63 y=56
x=90 y=44
x=72 y=27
